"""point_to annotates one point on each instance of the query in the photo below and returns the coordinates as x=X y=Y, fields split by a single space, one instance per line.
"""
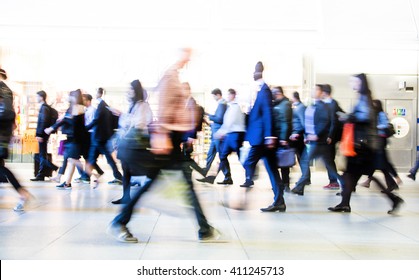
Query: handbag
x=347 y=143
x=61 y=148
x=285 y=157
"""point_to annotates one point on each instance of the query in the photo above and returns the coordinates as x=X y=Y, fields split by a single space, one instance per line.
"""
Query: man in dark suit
x=44 y=121
x=260 y=136
x=335 y=134
x=215 y=147
x=318 y=128
x=102 y=132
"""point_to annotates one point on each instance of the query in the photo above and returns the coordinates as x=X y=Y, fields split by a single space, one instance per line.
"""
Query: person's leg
x=204 y=227
x=42 y=158
x=126 y=183
x=124 y=216
x=226 y=149
x=270 y=162
x=211 y=155
x=307 y=155
x=330 y=156
x=323 y=152
x=105 y=151
x=285 y=174
x=255 y=154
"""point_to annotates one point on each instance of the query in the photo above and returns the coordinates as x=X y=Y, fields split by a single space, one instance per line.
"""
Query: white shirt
x=233 y=120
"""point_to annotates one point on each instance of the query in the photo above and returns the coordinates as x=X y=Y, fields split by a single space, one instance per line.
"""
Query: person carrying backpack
x=45 y=119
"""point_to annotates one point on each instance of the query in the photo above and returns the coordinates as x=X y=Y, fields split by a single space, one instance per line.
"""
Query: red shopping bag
x=347 y=146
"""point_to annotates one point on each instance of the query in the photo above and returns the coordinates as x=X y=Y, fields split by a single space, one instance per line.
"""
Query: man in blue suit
x=260 y=136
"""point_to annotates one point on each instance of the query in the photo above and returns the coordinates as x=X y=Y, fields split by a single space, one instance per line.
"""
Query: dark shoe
x=308 y=183
x=215 y=236
x=412 y=176
x=64 y=186
x=297 y=191
x=397 y=201
x=121 y=201
x=208 y=179
x=37 y=179
x=226 y=182
x=115 y=182
x=340 y=208
x=274 y=208
x=247 y=184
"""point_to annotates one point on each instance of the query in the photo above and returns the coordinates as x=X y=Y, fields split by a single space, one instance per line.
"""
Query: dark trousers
x=176 y=162
x=313 y=151
x=351 y=180
x=299 y=147
x=9 y=175
x=285 y=175
x=44 y=163
x=269 y=157
x=232 y=143
x=98 y=148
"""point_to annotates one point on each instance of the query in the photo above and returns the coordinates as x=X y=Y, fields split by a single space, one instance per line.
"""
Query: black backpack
x=53 y=115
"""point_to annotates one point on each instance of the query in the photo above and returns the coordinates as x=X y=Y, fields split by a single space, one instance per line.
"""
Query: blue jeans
x=314 y=151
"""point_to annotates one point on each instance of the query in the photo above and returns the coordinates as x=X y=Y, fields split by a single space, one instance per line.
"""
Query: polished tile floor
x=71 y=224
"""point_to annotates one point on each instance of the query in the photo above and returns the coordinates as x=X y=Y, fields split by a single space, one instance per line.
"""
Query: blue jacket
x=260 y=118
x=218 y=117
x=298 y=118
x=322 y=122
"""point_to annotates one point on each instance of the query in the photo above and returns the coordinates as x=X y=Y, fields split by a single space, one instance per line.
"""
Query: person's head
x=186 y=87
x=3 y=75
x=217 y=94
x=184 y=57
x=377 y=105
x=327 y=91
x=258 y=74
x=231 y=95
x=278 y=93
x=41 y=96
x=359 y=83
x=296 y=97
x=100 y=92
x=136 y=92
x=317 y=92
x=76 y=97
x=87 y=100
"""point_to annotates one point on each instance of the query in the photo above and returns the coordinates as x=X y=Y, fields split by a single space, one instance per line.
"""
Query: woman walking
x=364 y=118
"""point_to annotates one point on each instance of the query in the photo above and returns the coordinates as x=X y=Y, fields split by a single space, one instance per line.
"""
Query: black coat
x=101 y=124
x=43 y=121
x=282 y=119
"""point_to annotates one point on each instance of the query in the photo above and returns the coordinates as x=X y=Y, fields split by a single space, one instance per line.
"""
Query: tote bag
x=347 y=143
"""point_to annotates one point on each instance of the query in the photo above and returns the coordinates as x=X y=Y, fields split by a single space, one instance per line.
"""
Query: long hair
x=78 y=96
x=365 y=89
x=377 y=105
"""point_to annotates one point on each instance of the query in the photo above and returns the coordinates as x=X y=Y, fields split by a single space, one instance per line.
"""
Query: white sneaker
x=121 y=233
x=55 y=179
x=20 y=206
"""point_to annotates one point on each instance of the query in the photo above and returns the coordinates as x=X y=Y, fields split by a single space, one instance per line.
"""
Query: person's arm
x=218 y=117
x=333 y=121
x=95 y=120
x=382 y=121
x=42 y=121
